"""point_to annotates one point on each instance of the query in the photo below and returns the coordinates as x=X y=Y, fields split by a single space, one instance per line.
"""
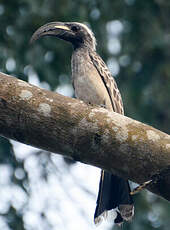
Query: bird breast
x=87 y=82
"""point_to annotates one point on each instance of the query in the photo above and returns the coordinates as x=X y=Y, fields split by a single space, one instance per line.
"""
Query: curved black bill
x=50 y=29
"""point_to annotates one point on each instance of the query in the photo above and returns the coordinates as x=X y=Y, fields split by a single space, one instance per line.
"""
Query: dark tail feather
x=114 y=192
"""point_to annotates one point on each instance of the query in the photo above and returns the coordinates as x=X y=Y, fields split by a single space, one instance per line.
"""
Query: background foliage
x=133 y=38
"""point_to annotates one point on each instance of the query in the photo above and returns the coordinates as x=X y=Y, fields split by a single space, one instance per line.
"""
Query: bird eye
x=75 y=28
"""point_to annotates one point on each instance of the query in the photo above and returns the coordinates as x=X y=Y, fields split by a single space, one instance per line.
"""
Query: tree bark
x=89 y=134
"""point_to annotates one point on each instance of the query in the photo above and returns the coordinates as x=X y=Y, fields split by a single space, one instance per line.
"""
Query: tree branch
x=89 y=134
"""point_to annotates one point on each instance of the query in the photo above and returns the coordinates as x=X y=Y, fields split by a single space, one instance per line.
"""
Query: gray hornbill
x=93 y=83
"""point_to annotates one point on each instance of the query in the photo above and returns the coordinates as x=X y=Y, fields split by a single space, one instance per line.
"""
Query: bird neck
x=80 y=52
x=84 y=47
x=80 y=57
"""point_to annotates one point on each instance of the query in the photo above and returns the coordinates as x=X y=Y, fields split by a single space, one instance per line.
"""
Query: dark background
x=133 y=38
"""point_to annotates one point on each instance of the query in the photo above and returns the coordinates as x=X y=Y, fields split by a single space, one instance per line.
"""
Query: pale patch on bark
x=25 y=94
x=91 y=115
x=86 y=124
x=73 y=105
x=49 y=99
x=119 y=121
x=99 y=110
x=134 y=137
x=120 y=126
x=122 y=134
x=96 y=110
x=115 y=129
x=167 y=146
x=45 y=109
x=153 y=136
x=23 y=84
x=121 y=129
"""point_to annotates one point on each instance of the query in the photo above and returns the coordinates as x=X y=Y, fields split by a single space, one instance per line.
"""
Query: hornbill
x=94 y=84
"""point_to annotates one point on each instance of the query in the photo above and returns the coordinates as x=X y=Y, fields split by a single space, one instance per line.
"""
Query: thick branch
x=89 y=134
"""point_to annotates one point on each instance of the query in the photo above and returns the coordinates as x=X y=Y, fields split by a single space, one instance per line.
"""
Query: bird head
x=76 y=33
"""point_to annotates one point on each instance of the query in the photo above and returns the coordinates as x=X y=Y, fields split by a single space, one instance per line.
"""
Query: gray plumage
x=93 y=83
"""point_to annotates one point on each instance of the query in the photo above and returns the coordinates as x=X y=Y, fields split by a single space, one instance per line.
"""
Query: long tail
x=114 y=193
